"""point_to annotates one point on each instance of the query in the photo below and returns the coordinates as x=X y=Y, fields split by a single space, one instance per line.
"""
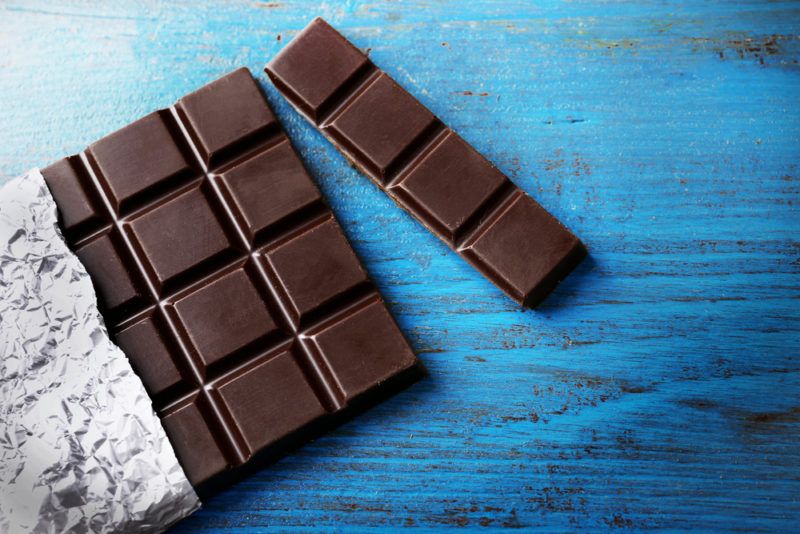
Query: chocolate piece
x=226 y=279
x=424 y=166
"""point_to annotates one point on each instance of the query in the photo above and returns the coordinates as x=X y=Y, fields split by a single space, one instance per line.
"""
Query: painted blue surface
x=658 y=387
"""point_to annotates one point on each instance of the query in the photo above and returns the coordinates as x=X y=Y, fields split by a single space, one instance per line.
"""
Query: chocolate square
x=136 y=158
x=118 y=284
x=328 y=64
x=184 y=233
x=224 y=316
x=449 y=185
x=269 y=188
x=224 y=113
x=362 y=349
x=195 y=442
x=315 y=267
x=72 y=189
x=522 y=228
x=264 y=415
x=379 y=133
x=147 y=346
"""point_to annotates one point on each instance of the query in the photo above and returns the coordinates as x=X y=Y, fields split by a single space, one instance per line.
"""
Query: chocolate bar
x=226 y=280
x=425 y=166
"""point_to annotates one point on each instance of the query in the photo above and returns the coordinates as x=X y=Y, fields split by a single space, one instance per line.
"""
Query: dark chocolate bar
x=425 y=166
x=226 y=279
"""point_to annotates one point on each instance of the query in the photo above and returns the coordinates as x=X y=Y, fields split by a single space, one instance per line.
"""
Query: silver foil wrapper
x=81 y=449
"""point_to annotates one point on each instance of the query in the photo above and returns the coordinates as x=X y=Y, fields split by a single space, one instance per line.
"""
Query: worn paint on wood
x=659 y=387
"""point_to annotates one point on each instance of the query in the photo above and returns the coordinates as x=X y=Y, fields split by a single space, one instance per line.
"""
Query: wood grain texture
x=657 y=388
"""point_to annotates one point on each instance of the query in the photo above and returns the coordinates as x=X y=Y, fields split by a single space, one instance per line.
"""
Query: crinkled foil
x=81 y=449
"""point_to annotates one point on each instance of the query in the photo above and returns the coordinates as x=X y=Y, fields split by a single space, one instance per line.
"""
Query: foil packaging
x=81 y=449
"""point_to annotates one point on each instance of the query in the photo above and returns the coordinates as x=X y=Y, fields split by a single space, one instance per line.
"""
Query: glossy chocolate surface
x=226 y=279
x=424 y=166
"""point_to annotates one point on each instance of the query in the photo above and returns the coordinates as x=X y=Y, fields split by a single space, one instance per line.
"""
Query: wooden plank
x=659 y=387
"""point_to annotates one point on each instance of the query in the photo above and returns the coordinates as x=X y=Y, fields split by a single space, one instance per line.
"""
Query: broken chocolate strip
x=226 y=279
x=425 y=166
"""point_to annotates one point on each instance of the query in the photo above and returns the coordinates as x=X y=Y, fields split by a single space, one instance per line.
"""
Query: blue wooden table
x=657 y=388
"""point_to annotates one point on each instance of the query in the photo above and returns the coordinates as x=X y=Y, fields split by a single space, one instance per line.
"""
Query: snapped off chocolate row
x=425 y=166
